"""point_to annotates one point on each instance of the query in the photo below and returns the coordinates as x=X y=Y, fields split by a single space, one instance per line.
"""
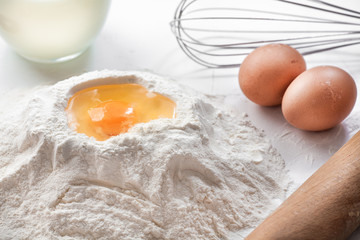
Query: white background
x=137 y=36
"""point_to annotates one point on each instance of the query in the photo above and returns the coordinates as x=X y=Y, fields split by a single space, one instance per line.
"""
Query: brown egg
x=319 y=98
x=266 y=73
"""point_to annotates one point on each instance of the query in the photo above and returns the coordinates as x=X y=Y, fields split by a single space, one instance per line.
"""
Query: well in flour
x=207 y=174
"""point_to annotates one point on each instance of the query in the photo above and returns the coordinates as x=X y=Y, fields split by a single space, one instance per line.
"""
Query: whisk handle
x=325 y=207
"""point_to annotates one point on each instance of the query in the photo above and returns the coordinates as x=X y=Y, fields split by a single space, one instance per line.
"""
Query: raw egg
x=109 y=110
x=266 y=72
x=319 y=98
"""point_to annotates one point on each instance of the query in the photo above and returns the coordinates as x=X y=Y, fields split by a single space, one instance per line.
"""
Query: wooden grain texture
x=325 y=207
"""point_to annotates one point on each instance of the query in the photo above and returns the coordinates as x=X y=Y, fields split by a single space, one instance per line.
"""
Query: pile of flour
x=208 y=174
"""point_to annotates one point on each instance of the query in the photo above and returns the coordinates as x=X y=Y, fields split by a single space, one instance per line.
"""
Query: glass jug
x=51 y=30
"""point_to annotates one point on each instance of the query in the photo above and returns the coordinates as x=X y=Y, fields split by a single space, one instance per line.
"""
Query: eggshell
x=319 y=98
x=266 y=72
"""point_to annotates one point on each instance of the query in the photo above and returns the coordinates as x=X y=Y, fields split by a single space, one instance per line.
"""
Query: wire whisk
x=221 y=33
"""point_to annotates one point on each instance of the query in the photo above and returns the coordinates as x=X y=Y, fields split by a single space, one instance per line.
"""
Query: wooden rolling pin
x=325 y=207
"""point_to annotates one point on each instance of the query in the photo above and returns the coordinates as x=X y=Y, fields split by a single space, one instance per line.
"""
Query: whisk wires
x=219 y=34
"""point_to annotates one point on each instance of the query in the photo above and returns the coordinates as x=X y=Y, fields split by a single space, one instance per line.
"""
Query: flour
x=207 y=174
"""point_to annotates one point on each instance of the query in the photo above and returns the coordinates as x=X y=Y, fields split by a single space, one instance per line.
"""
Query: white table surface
x=137 y=36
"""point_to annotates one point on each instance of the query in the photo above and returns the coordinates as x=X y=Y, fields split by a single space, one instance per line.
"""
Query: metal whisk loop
x=221 y=33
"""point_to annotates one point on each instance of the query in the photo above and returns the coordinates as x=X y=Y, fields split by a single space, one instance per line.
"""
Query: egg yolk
x=112 y=117
x=109 y=110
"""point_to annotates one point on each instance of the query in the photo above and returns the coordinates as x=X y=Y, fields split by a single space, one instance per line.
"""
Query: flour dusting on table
x=207 y=174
